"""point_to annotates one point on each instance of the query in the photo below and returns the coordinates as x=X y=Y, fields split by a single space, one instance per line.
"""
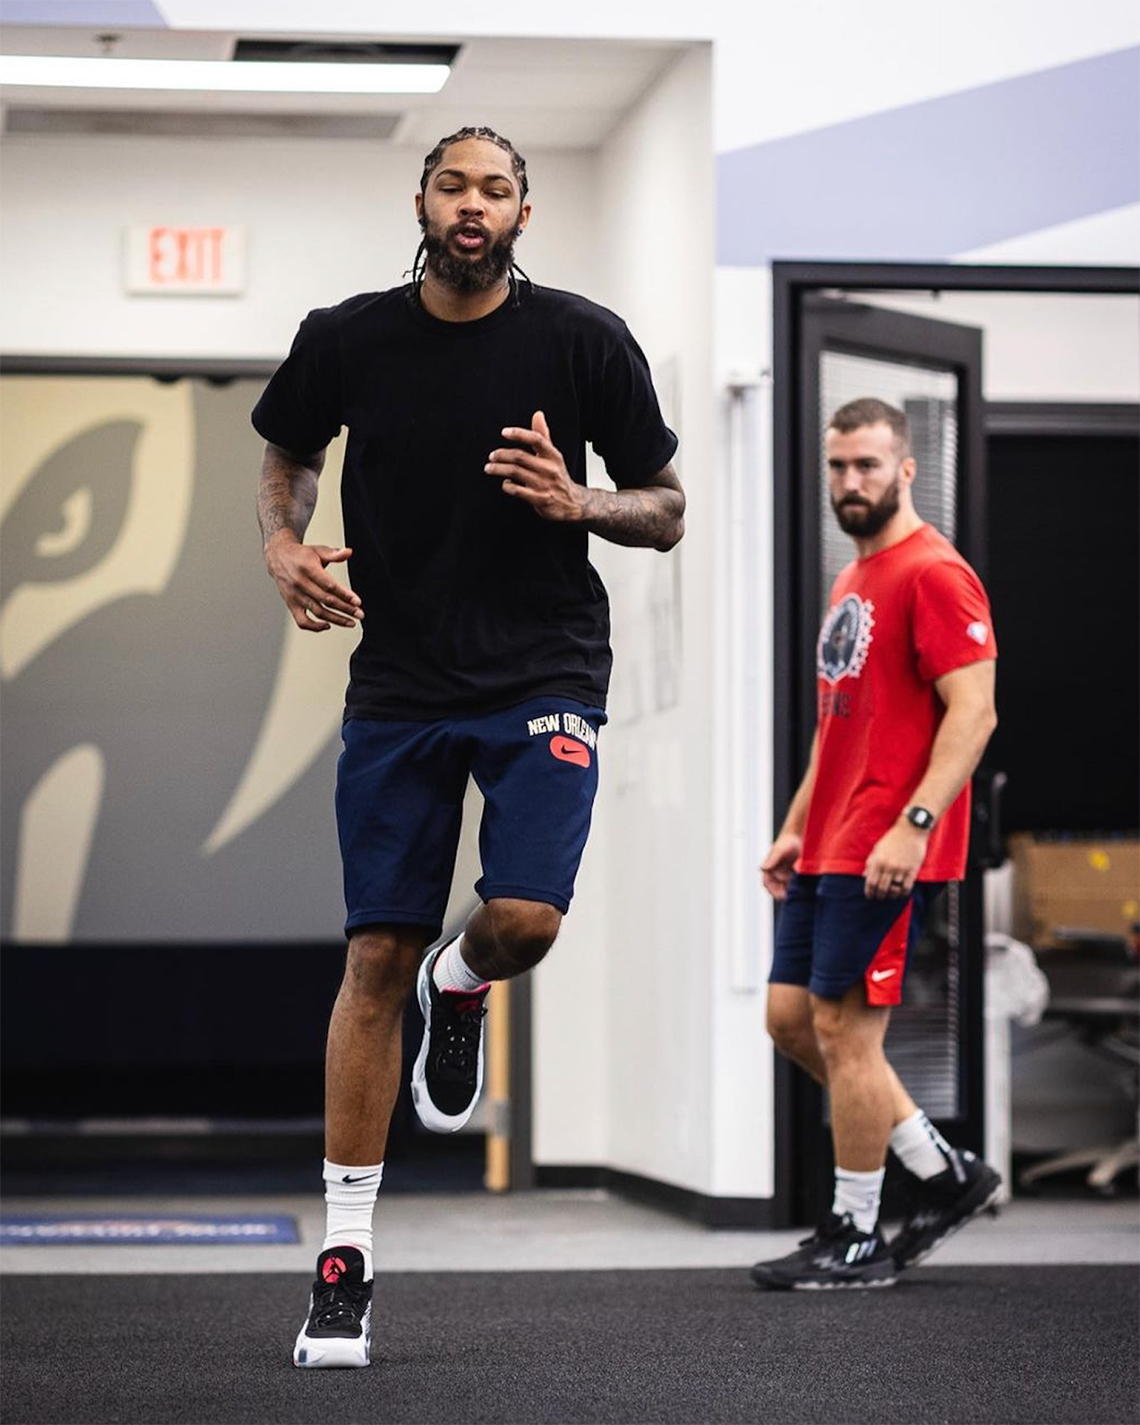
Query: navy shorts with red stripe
x=830 y=936
x=399 y=807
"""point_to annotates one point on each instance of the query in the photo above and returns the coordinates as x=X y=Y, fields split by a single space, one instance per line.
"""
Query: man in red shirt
x=879 y=824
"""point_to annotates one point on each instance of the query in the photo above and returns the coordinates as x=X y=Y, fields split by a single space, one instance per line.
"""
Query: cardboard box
x=1086 y=885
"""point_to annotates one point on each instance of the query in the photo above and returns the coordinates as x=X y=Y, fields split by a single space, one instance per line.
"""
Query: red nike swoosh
x=567 y=750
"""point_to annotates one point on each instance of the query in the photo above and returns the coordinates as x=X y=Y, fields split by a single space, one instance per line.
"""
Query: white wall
x=682 y=1052
x=324 y=219
x=656 y=244
x=1042 y=346
x=788 y=69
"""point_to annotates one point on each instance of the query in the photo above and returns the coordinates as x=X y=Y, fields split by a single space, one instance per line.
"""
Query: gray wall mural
x=169 y=740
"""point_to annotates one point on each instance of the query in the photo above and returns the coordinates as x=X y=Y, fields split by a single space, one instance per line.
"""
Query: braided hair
x=432 y=162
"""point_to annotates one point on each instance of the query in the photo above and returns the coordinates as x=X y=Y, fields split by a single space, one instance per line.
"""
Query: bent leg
x=503 y=938
x=902 y=1105
x=506 y=937
x=793 y=1033
x=537 y=766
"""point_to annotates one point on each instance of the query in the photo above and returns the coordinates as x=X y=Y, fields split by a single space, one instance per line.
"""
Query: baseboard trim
x=745 y=1213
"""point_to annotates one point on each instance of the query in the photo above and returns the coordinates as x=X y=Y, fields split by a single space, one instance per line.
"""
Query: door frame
x=793 y=284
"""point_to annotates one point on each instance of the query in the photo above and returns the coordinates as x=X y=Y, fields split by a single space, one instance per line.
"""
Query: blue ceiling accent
x=928 y=181
x=85 y=14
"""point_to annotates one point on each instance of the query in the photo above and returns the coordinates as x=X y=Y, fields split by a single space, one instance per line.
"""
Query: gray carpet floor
x=949 y=1344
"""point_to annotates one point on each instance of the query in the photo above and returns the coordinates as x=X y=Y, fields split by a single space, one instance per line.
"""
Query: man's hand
x=895 y=861
x=776 y=868
x=315 y=599
x=537 y=474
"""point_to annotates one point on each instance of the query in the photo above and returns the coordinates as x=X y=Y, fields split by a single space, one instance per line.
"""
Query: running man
x=879 y=824
x=469 y=395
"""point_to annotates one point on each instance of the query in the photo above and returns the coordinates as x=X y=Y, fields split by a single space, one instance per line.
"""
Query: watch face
x=920 y=817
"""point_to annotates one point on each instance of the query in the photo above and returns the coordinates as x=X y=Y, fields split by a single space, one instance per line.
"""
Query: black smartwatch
x=920 y=817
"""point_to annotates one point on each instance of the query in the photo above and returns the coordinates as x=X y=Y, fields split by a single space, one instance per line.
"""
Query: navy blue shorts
x=399 y=807
x=830 y=936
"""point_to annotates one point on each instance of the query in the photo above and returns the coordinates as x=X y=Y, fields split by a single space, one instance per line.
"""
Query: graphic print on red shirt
x=898 y=621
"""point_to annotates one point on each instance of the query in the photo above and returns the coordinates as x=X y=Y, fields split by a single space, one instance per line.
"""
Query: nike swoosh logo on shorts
x=881 y=974
x=567 y=750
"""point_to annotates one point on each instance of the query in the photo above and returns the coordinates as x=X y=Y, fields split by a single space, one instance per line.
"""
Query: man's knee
x=831 y=1027
x=520 y=933
x=846 y=1030
x=382 y=961
x=789 y=1024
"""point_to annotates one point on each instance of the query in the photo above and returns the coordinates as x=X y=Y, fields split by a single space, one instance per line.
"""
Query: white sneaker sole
x=871 y=1285
x=855 y=1284
x=426 y=1111
x=333 y=1352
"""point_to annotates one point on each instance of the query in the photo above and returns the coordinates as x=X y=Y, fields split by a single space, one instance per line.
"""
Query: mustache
x=468 y=226
x=858 y=501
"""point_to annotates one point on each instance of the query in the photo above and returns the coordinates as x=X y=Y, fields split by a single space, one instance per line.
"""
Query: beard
x=865 y=519
x=468 y=274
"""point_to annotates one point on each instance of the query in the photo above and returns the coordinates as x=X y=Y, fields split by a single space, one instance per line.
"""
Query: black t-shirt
x=472 y=602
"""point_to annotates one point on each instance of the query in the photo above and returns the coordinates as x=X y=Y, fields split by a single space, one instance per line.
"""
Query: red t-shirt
x=898 y=620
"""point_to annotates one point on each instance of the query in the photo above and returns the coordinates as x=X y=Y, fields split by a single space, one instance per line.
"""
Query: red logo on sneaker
x=464 y=1004
x=567 y=750
x=333 y=1269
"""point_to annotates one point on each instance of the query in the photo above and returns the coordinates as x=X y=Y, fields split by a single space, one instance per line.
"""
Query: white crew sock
x=858 y=1194
x=919 y=1146
x=350 y=1196
x=451 y=971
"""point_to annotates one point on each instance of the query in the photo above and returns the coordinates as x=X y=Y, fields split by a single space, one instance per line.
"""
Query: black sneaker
x=837 y=1254
x=338 y=1328
x=942 y=1204
x=448 y=1072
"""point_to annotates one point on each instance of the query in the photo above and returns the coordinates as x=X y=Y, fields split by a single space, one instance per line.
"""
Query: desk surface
x=1094 y=1007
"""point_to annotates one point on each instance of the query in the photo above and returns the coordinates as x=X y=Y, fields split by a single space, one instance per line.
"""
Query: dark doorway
x=1064 y=549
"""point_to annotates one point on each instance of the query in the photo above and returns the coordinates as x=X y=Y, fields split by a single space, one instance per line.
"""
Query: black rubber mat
x=964 y=1344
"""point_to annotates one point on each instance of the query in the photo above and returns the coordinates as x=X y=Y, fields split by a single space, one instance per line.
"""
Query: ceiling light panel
x=238 y=76
x=37 y=121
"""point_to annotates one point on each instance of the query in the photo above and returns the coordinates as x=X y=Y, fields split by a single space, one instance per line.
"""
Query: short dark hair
x=479 y=131
x=869 y=411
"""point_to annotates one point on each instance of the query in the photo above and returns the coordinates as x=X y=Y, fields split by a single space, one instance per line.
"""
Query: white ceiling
x=541 y=93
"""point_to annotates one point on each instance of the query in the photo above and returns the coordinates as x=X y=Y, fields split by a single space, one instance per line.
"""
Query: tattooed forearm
x=287 y=491
x=650 y=516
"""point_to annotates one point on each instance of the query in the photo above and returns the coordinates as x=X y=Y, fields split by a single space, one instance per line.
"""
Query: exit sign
x=170 y=261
